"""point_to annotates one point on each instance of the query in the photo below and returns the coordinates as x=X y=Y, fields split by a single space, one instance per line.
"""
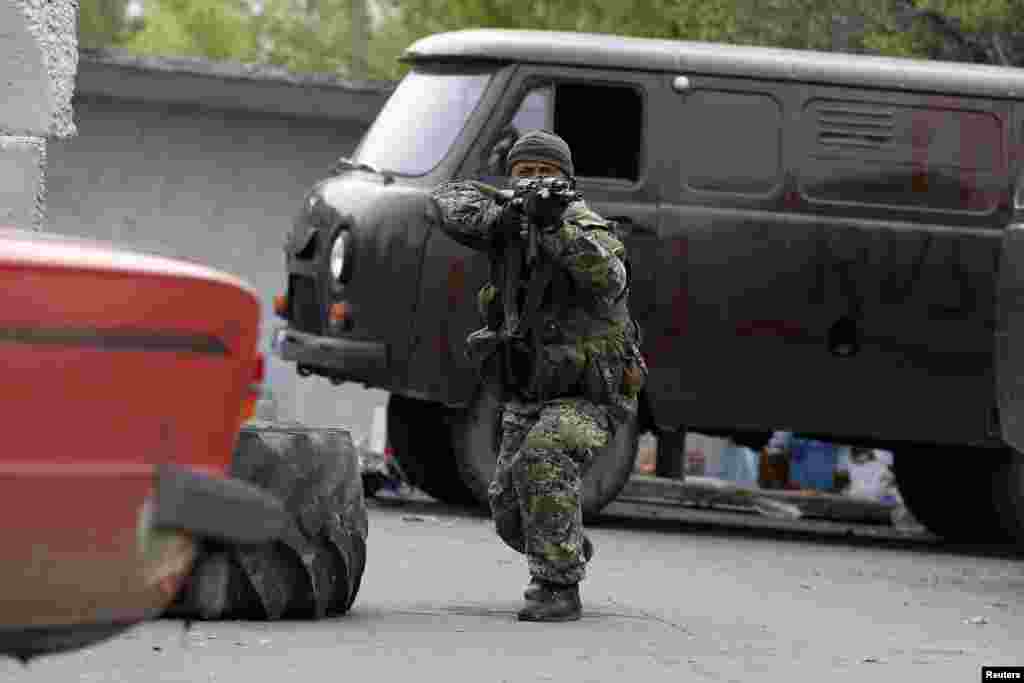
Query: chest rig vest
x=558 y=340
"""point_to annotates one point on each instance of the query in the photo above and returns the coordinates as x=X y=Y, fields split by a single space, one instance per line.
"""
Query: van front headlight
x=338 y=255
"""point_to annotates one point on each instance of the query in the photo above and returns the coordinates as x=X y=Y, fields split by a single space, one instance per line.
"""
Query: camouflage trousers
x=537 y=493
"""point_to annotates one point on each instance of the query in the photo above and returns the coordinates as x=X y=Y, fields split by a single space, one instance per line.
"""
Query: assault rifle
x=537 y=203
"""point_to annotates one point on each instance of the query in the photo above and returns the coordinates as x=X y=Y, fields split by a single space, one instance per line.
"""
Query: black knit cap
x=542 y=145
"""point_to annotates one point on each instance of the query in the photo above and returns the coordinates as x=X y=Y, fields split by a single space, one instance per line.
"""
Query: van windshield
x=421 y=120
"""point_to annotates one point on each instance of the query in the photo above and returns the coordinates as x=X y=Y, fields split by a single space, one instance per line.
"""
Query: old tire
x=964 y=500
x=477 y=433
x=314 y=570
x=419 y=433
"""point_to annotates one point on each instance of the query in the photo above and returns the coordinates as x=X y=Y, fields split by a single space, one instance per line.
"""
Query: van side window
x=731 y=142
x=602 y=124
x=901 y=156
x=604 y=127
x=534 y=112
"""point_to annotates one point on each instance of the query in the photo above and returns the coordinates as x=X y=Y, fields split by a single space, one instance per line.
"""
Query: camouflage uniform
x=553 y=427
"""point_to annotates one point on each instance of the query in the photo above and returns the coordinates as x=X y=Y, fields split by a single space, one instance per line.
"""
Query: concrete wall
x=38 y=58
x=216 y=186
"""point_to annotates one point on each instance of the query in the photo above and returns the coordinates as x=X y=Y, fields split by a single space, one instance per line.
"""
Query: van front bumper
x=336 y=359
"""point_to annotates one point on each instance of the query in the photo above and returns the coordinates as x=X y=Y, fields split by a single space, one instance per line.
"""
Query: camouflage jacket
x=586 y=334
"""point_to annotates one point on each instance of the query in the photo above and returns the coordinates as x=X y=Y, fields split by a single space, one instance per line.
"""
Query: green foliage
x=981 y=15
x=102 y=22
x=975 y=17
x=804 y=24
x=410 y=20
x=315 y=35
x=216 y=29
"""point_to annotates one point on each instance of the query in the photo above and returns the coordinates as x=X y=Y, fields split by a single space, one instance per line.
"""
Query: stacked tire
x=315 y=570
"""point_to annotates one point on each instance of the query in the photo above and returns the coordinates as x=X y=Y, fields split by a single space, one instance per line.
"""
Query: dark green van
x=822 y=243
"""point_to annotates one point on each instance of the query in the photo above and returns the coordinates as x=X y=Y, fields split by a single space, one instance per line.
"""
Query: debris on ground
x=776 y=509
x=382 y=477
x=421 y=518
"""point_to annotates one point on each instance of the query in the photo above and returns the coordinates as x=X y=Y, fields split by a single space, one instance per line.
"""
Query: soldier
x=564 y=350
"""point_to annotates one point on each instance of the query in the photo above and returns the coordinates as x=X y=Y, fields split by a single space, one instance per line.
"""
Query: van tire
x=1008 y=496
x=477 y=438
x=421 y=443
x=952 y=501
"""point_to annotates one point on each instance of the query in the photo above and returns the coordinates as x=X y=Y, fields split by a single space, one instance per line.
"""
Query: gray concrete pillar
x=38 y=61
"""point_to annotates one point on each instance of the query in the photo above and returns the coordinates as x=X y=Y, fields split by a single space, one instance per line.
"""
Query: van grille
x=856 y=127
x=306 y=311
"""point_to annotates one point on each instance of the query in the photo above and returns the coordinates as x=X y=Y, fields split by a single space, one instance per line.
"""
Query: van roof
x=687 y=57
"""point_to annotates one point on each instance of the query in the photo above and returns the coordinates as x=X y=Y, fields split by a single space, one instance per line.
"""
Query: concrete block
x=38 y=60
x=22 y=184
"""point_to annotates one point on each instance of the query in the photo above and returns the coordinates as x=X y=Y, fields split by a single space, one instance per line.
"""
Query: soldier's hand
x=544 y=207
x=510 y=224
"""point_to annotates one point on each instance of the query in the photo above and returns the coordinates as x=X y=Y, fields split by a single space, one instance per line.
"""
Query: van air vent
x=843 y=126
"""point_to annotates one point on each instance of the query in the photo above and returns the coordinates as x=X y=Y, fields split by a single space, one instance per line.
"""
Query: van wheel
x=421 y=443
x=477 y=437
x=954 y=497
x=1008 y=496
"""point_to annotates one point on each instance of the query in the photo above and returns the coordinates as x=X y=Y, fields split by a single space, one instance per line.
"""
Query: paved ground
x=688 y=596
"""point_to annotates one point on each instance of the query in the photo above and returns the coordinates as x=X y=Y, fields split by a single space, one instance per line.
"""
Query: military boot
x=536 y=587
x=554 y=602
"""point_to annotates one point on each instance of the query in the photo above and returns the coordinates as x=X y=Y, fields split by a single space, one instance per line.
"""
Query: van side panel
x=446 y=312
x=1009 y=353
x=831 y=287
x=1010 y=379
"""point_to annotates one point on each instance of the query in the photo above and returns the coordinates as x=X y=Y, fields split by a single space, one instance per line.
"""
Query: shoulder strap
x=542 y=276
x=510 y=287
x=629 y=280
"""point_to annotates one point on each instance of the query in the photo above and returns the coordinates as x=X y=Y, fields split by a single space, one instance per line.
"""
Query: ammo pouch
x=602 y=379
x=610 y=377
x=634 y=374
x=544 y=372
x=485 y=350
x=558 y=371
x=535 y=371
